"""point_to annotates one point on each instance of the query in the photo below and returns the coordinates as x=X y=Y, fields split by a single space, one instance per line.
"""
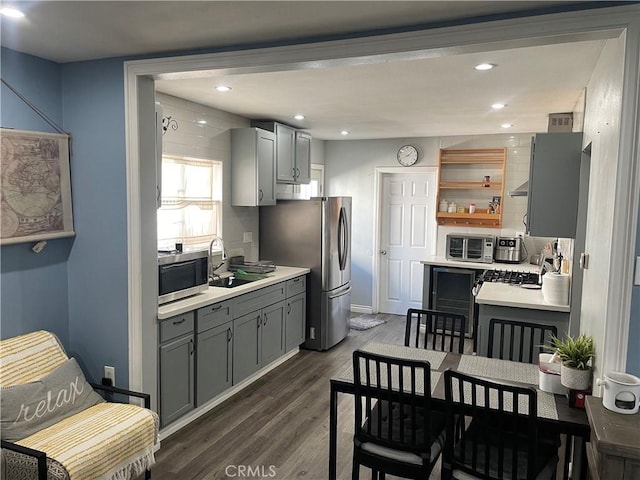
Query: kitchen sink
x=228 y=282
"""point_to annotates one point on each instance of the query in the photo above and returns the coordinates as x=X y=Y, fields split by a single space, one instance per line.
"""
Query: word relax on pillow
x=29 y=408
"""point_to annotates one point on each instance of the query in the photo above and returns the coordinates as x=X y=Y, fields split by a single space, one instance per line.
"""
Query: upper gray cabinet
x=554 y=182
x=253 y=155
x=293 y=152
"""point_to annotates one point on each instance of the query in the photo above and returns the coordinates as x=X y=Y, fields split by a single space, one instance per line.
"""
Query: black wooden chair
x=435 y=330
x=396 y=432
x=501 y=442
x=518 y=341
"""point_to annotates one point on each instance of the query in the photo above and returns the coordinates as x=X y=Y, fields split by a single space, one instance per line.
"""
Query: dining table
x=554 y=413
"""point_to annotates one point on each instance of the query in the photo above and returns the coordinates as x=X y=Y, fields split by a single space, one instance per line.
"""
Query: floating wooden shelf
x=494 y=160
x=471 y=185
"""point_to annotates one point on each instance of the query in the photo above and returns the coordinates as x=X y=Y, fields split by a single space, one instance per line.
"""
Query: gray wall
x=350 y=170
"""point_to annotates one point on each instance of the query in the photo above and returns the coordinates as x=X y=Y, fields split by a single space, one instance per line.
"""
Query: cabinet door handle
x=178 y=322
x=297 y=172
x=229 y=334
x=191 y=347
x=288 y=308
x=259 y=319
x=265 y=320
x=216 y=308
x=296 y=280
x=293 y=172
x=260 y=195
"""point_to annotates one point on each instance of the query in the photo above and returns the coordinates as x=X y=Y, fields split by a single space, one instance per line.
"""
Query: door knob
x=383 y=252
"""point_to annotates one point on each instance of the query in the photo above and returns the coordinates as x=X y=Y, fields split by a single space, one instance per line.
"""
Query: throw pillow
x=28 y=408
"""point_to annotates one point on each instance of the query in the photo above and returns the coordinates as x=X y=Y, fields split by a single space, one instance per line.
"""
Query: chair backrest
x=518 y=341
x=435 y=330
x=501 y=439
x=29 y=357
x=401 y=391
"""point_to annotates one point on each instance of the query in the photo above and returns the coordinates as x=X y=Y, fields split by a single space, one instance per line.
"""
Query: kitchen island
x=458 y=290
x=512 y=302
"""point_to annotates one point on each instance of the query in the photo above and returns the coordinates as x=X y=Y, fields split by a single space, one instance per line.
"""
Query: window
x=191 y=207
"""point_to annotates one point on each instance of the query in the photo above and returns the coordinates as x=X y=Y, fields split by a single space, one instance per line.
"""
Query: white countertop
x=505 y=295
x=218 y=294
x=444 y=262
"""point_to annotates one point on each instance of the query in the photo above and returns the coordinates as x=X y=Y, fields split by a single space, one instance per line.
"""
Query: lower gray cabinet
x=246 y=345
x=214 y=362
x=272 y=333
x=295 y=321
x=258 y=340
x=177 y=389
x=214 y=350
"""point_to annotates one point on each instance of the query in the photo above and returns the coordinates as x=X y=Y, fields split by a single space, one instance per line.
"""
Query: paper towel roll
x=555 y=288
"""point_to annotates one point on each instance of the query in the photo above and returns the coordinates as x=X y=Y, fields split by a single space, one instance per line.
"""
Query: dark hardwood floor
x=277 y=427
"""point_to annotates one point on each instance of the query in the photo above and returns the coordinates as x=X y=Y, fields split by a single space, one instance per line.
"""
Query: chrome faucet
x=213 y=267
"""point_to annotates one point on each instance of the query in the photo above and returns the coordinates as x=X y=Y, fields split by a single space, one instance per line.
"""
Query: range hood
x=521 y=191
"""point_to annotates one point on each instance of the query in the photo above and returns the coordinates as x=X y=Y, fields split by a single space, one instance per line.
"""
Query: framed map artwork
x=35 y=184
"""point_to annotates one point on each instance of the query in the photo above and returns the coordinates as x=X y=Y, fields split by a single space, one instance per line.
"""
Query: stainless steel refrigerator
x=314 y=233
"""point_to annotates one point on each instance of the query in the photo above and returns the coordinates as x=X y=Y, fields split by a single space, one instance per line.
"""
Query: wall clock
x=407 y=155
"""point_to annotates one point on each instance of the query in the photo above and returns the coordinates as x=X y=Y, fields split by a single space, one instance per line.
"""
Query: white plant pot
x=575 y=379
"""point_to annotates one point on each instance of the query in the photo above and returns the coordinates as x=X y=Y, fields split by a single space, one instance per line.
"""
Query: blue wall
x=93 y=105
x=33 y=288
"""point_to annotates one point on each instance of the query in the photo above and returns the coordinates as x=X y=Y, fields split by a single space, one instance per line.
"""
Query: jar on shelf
x=444 y=206
x=452 y=207
x=486 y=181
x=472 y=208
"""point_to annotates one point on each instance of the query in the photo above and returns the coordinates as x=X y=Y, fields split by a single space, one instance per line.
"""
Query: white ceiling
x=438 y=96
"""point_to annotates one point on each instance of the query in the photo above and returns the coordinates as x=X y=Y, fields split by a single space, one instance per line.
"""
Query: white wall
x=601 y=129
x=212 y=141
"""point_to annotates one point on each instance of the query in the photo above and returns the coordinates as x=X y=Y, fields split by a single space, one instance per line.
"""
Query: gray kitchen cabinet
x=253 y=169
x=272 y=333
x=258 y=329
x=246 y=345
x=258 y=340
x=296 y=311
x=554 y=180
x=214 y=350
x=177 y=388
x=293 y=152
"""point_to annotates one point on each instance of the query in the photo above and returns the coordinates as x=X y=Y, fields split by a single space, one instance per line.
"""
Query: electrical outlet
x=519 y=234
x=110 y=373
x=247 y=237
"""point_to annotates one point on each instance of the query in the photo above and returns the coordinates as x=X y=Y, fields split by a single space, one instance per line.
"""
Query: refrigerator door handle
x=341 y=292
x=343 y=240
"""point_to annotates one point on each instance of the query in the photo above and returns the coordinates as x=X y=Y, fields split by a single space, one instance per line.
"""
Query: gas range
x=511 y=277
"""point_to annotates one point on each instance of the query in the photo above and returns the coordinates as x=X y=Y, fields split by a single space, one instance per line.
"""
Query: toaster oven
x=470 y=248
x=181 y=275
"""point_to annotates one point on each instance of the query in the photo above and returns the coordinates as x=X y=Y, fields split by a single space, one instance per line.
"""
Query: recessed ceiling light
x=299 y=116
x=344 y=132
x=223 y=88
x=506 y=125
x=11 y=12
x=485 y=66
x=498 y=106
x=202 y=122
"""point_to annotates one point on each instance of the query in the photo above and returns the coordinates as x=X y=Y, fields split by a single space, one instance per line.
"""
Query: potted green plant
x=576 y=355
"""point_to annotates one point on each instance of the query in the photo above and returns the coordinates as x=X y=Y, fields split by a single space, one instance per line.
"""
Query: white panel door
x=407 y=236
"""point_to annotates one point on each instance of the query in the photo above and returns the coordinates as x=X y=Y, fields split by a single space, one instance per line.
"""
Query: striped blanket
x=110 y=441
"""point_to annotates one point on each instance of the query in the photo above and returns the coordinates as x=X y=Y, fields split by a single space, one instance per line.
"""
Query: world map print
x=35 y=186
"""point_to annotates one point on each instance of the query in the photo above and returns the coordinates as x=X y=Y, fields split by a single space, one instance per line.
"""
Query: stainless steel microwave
x=181 y=275
x=470 y=248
